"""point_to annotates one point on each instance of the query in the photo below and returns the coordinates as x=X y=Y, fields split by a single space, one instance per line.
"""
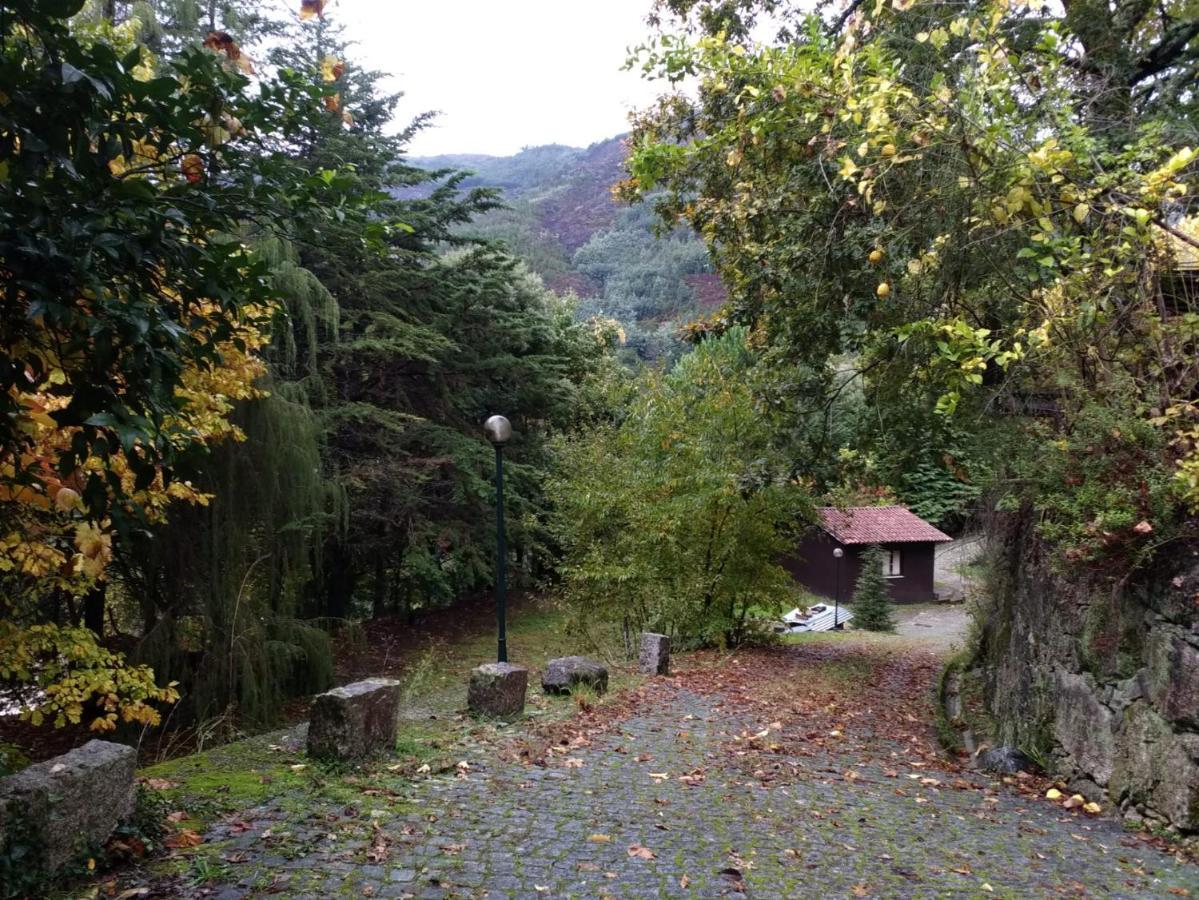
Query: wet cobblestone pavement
x=680 y=799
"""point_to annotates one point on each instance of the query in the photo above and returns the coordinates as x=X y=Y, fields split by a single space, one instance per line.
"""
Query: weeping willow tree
x=223 y=590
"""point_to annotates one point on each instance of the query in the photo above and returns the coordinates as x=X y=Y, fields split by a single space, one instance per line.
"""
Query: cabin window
x=894 y=563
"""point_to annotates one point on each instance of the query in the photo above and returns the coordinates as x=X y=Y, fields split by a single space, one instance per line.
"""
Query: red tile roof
x=878 y=525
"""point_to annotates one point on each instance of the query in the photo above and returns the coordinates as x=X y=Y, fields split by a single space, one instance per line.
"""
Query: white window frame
x=894 y=563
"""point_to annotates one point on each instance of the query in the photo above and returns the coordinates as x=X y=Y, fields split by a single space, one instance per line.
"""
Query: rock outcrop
x=1098 y=677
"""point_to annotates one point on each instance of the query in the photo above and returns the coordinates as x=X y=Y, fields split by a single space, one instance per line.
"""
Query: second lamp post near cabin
x=499 y=431
x=837 y=554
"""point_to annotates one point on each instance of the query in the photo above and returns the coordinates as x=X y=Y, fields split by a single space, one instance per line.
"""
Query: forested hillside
x=560 y=217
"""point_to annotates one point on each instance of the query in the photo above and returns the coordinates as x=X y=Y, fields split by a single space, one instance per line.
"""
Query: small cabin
x=909 y=542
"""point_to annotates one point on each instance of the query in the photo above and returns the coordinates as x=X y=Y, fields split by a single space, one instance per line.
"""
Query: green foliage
x=432 y=336
x=65 y=668
x=871 y=603
x=148 y=821
x=1106 y=491
x=941 y=198
x=21 y=872
x=937 y=493
x=12 y=760
x=112 y=249
x=674 y=518
x=641 y=281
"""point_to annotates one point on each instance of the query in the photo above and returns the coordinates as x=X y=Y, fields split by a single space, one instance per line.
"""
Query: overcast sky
x=504 y=74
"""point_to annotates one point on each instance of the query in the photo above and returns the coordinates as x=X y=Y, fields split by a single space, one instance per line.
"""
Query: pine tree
x=871 y=605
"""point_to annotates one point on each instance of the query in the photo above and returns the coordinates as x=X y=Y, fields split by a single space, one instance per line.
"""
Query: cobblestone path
x=681 y=799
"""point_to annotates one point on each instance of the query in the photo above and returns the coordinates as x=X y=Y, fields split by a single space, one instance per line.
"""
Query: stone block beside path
x=562 y=675
x=654 y=658
x=498 y=690
x=68 y=806
x=355 y=721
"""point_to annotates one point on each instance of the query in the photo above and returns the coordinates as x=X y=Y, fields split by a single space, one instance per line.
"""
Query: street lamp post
x=499 y=431
x=837 y=554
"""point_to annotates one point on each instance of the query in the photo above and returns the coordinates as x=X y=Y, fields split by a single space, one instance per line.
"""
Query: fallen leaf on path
x=177 y=816
x=378 y=850
x=161 y=784
x=684 y=881
x=181 y=840
x=573 y=763
x=600 y=839
x=861 y=890
x=636 y=851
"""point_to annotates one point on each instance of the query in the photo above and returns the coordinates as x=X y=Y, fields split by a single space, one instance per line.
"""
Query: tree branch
x=1173 y=44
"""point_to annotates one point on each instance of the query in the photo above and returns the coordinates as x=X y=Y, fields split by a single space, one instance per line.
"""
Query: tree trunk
x=379 y=599
x=339 y=580
x=93 y=609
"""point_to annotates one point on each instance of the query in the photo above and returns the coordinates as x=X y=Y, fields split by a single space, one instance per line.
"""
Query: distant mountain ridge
x=561 y=218
x=571 y=187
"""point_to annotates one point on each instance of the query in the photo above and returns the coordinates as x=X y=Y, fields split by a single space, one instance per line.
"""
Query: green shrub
x=871 y=605
x=674 y=520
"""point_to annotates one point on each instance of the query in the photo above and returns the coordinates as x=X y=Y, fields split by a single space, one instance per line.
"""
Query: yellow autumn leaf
x=332 y=68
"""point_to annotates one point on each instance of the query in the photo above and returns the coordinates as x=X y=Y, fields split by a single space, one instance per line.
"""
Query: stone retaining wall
x=1098 y=677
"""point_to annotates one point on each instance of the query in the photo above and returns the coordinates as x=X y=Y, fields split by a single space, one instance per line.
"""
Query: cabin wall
x=814 y=566
x=915 y=585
